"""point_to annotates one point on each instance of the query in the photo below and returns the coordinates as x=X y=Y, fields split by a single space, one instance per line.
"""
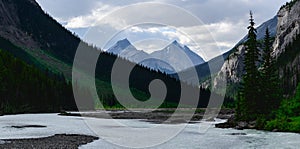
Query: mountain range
x=173 y=58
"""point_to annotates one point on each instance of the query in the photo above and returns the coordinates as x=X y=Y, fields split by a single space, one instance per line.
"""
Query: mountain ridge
x=172 y=55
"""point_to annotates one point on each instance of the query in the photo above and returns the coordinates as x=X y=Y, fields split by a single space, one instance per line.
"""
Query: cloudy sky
x=208 y=27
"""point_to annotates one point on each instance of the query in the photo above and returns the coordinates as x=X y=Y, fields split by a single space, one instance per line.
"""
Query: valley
x=246 y=97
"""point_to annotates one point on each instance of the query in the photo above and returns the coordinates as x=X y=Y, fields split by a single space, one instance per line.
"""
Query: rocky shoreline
x=240 y=125
x=232 y=123
x=68 y=141
x=157 y=116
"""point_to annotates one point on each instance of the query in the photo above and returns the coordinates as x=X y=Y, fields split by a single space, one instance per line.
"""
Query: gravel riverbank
x=61 y=141
x=157 y=116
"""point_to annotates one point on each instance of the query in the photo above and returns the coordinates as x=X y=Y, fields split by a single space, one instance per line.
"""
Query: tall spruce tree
x=270 y=81
x=250 y=101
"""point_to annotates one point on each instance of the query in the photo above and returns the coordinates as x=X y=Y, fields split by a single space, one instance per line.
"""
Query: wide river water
x=188 y=138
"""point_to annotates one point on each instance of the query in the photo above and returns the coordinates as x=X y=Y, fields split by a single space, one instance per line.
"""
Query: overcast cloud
x=223 y=24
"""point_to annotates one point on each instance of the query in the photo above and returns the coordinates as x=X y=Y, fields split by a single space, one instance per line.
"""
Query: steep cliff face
x=287 y=29
x=231 y=71
x=286 y=46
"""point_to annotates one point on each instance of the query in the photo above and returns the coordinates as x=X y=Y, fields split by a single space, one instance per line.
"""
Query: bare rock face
x=7 y=15
x=232 y=69
x=10 y=25
x=230 y=73
x=287 y=28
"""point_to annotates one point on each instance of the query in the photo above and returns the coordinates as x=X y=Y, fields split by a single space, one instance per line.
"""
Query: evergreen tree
x=250 y=97
x=240 y=107
x=270 y=81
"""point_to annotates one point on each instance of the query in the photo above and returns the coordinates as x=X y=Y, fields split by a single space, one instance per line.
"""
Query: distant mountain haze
x=171 y=59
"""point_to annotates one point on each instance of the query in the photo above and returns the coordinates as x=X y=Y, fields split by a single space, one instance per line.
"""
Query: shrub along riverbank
x=286 y=118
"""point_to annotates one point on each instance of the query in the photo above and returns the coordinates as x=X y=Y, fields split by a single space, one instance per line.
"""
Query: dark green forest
x=25 y=88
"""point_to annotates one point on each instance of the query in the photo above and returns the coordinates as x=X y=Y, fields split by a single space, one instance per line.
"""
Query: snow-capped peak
x=173 y=54
x=177 y=44
x=120 y=46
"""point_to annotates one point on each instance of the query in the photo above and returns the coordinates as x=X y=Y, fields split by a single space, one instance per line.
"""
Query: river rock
x=229 y=124
x=211 y=119
x=241 y=125
x=252 y=124
x=237 y=134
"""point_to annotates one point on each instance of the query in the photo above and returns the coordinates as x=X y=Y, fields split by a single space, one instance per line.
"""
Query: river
x=188 y=138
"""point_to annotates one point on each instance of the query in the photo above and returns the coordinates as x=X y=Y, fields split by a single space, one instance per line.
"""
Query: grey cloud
x=65 y=9
x=213 y=13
